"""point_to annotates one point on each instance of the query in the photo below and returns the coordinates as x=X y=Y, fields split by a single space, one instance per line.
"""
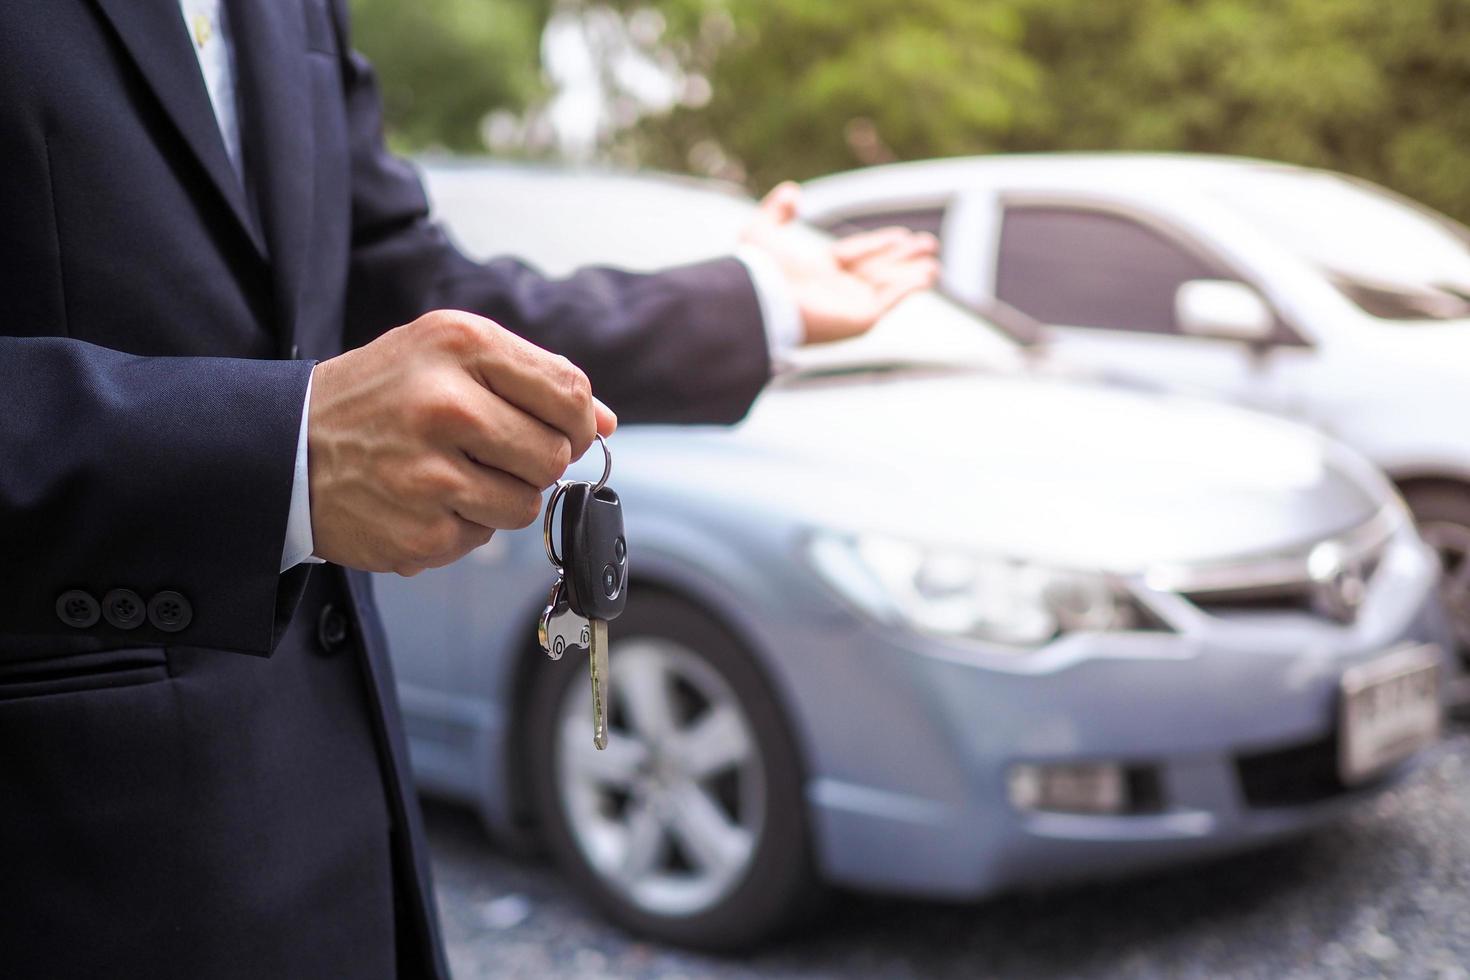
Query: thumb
x=779 y=205
x=607 y=422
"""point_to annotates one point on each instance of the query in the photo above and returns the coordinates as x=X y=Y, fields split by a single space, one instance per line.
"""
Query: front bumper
x=1236 y=719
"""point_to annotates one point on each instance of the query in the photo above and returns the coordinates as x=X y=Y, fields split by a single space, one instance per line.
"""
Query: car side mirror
x=1223 y=310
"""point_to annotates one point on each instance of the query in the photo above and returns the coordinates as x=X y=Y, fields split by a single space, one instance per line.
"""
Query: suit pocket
x=72 y=673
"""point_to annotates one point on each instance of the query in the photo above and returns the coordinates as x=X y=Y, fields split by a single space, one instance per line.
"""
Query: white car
x=1300 y=292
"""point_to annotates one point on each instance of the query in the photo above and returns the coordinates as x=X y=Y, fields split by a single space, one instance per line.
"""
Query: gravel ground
x=1386 y=893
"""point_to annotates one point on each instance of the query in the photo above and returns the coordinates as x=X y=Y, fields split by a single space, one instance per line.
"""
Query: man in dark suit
x=202 y=772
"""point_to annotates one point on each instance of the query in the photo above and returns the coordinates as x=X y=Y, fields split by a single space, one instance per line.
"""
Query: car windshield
x=1391 y=257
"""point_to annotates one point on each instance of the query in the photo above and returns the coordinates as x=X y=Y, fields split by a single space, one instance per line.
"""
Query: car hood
x=1442 y=348
x=1048 y=470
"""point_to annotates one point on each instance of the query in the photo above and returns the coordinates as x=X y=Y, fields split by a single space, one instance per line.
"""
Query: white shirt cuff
x=299 y=543
x=779 y=312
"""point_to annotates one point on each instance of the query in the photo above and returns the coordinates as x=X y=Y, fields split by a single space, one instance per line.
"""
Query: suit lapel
x=278 y=139
x=154 y=35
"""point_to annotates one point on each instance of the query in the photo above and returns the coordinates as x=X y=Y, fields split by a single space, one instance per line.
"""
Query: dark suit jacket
x=195 y=782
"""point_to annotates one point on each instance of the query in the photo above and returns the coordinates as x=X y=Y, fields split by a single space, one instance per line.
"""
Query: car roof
x=924 y=182
x=560 y=218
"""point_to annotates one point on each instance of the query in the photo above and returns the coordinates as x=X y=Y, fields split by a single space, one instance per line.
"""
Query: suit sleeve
x=684 y=345
x=151 y=474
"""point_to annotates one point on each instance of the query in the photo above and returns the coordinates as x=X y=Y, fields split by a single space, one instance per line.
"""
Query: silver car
x=1304 y=293
x=925 y=622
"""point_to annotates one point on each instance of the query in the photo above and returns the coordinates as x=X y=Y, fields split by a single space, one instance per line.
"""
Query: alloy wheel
x=670 y=813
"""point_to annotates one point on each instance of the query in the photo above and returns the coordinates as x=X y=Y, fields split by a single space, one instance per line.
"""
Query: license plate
x=1390 y=709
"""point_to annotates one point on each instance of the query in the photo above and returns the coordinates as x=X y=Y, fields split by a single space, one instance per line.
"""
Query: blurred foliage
x=444 y=64
x=1377 y=89
x=772 y=90
x=804 y=88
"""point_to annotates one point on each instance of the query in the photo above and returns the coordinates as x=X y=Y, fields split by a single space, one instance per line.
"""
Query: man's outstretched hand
x=842 y=287
x=424 y=442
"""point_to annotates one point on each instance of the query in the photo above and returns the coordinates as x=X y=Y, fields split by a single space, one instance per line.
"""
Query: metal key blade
x=600 y=672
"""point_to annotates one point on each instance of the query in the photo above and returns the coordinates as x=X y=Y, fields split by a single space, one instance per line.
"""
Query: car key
x=591 y=585
x=595 y=566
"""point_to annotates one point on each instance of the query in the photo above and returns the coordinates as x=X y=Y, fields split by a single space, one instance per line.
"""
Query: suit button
x=78 y=609
x=331 y=629
x=170 y=612
x=124 y=609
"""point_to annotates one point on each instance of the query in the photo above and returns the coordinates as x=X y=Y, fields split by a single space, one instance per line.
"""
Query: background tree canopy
x=795 y=89
x=445 y=64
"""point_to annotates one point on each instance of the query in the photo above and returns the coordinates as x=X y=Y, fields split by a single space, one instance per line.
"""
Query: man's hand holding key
x=426 y=441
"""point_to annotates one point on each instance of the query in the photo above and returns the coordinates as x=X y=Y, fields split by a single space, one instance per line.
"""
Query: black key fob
x=594 y=552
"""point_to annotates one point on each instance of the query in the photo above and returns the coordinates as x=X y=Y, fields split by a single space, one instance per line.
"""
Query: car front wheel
x=690 y=826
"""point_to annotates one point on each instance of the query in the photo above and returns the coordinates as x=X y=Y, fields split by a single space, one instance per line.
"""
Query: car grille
x=1312 y=598
x=1292 y=776
x=1297 y=598
x=1326 y=578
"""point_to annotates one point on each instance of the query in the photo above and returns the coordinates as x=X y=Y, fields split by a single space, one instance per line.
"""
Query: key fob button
x=620 y=550
x=610 y=581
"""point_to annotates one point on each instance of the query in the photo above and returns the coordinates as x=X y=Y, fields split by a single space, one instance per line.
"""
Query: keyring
x=551 y=556
x=556 y=495
x=606 y=464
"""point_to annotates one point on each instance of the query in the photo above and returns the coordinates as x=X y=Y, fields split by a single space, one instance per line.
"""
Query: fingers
x=492 y=499
x=494 y=433
x=607 y=421
x=467 y=537
x=482 y=501
x=780 y=204
x=913 y=250
x=903 y=281
x=856 y=248
x=896 y=262
x=545 y=385
x=884 y=243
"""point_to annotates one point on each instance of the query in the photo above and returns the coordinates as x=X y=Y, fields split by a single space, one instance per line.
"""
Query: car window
x=914 y=219
x=1087 y=268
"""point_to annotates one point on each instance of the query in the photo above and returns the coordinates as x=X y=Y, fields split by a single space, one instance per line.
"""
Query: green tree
x=445 y=64
x=799 y=89
x=1381 y=90
x=1377 y=89
x=795 y=88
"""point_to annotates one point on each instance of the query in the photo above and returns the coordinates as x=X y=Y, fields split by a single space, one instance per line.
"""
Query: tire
x=1442 y=511
x=703 y=884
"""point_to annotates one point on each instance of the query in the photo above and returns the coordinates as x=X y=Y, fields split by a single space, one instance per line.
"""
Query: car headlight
x=963 y=595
